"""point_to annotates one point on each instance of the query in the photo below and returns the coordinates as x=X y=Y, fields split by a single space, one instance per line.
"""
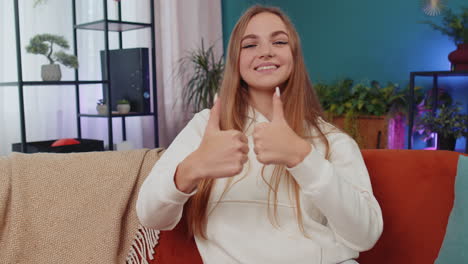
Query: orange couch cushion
x=415 y=189
x=175 y=247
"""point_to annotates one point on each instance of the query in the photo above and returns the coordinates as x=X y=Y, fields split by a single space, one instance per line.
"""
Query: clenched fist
x=275 y=142
x=222 y=153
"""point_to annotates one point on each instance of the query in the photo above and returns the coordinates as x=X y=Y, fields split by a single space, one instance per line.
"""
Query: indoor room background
x=361 y=40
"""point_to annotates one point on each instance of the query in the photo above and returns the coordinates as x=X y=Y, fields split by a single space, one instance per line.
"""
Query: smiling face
x=265 y=58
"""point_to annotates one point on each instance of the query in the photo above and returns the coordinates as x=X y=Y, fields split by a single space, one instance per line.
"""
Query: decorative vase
x=459 y=58
x=446 y=143
x=51 y=72
x=101 y=109
x=123 y=108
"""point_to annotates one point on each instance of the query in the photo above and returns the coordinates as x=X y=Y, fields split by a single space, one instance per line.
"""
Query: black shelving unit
x=113 y=25
x=435 y=75
x=105 y=25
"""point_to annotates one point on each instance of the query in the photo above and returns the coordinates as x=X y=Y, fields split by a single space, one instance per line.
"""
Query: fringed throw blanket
x=74 y=208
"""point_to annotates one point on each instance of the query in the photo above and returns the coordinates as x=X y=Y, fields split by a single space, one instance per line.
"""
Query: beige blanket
x=73 y=208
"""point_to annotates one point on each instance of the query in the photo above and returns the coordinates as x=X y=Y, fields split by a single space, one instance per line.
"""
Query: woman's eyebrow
x=251 y=36
x=279 y=32
x=274 y=34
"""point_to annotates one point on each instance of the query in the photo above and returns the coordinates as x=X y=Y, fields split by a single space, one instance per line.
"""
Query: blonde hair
x=300 y=104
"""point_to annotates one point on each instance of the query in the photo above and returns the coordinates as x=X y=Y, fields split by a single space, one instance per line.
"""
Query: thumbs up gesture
x=222 y=153
x=275 y=142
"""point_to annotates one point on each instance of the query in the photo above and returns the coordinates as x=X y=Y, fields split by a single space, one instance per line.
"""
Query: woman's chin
x=270 y=87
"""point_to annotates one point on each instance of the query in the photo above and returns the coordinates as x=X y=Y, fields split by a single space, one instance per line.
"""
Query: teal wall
x=363 y=39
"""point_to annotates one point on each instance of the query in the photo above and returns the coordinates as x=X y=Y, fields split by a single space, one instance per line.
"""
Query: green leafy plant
x=333 y=96
x=351 y=100
x=123 y=101
x=364 y=98
x=44 y=44
x=447 y=121
x=453 y=25
x=203 y=72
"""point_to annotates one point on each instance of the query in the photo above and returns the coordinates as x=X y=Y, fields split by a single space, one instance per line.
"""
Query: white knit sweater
x=340 y=213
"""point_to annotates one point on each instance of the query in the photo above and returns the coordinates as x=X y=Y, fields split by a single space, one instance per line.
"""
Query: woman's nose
x=266 y=50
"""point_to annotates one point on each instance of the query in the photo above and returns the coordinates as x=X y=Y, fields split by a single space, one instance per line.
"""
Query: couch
x=415 y=189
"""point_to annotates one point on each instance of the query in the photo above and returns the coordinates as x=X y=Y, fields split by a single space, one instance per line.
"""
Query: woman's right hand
x=220 y=154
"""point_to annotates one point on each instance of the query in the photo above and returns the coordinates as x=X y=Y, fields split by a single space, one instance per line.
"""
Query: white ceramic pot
x=51 y=72
x=101 y=109
x=123 y=108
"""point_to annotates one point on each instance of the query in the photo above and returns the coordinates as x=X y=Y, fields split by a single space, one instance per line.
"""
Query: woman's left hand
x=276 y=143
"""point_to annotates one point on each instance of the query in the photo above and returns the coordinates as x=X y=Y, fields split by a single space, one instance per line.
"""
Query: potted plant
x=202 y=72
x=44 y=44
x=366 y=109
x=101 y=107
x=354 y=108
x=123 y=106
x=447 y=122
x=456 y=27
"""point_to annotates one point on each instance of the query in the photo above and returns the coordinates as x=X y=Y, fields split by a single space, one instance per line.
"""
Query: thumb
x=278 y=114
x=213 y=122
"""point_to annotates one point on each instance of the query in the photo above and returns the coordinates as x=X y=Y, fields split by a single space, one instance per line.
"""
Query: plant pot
x=51 y=72
x=123 y=108
x=101 y=109
x=371 y=131
x=446 y=143
x=459 y=58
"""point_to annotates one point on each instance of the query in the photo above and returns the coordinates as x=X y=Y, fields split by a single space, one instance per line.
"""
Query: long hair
x=300 y=104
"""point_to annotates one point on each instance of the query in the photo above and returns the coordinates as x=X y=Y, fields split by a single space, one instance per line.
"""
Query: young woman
x=263 y=177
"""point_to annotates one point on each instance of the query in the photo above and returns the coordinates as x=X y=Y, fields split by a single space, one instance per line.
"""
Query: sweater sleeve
x=160 y=203
x=340 y=188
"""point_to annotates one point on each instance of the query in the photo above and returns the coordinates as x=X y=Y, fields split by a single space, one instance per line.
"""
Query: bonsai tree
x=44 y=44
x=453 y=25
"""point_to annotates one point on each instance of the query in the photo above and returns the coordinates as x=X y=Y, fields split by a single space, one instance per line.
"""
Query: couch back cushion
x=415 y=189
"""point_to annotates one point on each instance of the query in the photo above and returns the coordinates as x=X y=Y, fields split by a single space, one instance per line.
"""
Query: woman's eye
x=248 y=46
x=280 y=42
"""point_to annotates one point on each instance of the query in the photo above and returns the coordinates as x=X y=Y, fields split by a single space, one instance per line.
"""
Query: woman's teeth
x=263 y=68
